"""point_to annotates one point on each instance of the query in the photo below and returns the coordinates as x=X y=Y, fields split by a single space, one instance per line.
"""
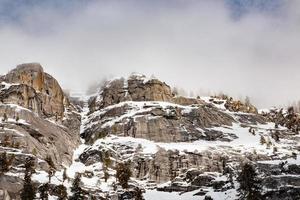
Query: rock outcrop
x=46 y=87
x=187 y=143
x=134 y=103
x=287 y=118
x=36 y=120
x=135 y=88
x=159 y=123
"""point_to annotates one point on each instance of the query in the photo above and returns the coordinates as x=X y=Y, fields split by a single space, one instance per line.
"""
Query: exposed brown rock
x=186 y=101
x=38 y=136
x=136 y=88
x=238 y=106
x=148 y=90
x=22 y=95
x=33 y=75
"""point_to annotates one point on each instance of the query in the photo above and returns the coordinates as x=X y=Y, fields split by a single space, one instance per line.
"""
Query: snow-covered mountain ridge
x=193 y=147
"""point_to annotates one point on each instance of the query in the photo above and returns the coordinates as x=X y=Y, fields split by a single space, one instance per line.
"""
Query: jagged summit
x=49 y=91
x=136 y=87
x=34 y=66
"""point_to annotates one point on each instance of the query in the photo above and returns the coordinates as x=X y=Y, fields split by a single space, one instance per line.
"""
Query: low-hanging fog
x=240 y=47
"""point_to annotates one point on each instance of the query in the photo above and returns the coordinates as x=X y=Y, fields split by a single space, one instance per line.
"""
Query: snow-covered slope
x=166 y=142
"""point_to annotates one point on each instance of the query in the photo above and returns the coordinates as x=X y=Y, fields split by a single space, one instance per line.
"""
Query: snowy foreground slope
x=245 y=145
x=175 y=147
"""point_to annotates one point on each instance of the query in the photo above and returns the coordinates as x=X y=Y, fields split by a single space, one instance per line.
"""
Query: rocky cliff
x=45 y=86
x=194 y=146
x=35 y=122
x=198 y=144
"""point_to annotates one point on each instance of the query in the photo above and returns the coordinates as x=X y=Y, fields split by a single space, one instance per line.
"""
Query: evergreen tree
x=28 y=191
x=5 y=118
x=250 y=184
x=17 y=118
x=276 y=136
x=43 y=190
x=78 y=193
x=62 y=192
x=51 y=170
x=262 y=140
x=5 y=162
x=208 y=198
x=106 y=174
x=7 y=141
x=65 y=176
x=106 y=164
x=123 y=174
x=138 y=194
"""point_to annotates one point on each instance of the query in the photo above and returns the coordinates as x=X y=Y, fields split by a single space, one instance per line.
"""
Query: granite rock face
x=36 y=120
x=135 y=88
x=186 y=143
x=169 y=123
x=48 y=89
x=33 y=104
x=22 y=95
x=134 y=105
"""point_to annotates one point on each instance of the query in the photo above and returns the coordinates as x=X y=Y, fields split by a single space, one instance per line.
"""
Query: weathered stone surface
x=149 y=90
x=234 y=105
x=171 y=124
x=289 y=118
x=22 y=95
x=4 y=195
x=283 y=193
x=203 y=180
x=50 y=92
x=10 y=185
x=36 y=120
x=136 y=88
x=186 y=101
x=38 y=136
x=238 y=106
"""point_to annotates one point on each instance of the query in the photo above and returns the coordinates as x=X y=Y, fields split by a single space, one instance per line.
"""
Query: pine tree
x=78 y=193
x=17 y=118
x=5 y=118
x=208 y=198
x=28 y=191
x=7 y=141
x=123 y=174
x=138 y=194
x=62 y=192
x=5 y=162
x=262 y=140
x=106 y=164
x=65 y=176
x=43 y=190
x=106 y=174
x=52 y=168
x=250 y=184
x=106 y=159
x=275 y=150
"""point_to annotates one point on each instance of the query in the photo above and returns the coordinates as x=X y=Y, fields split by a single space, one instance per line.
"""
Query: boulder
x=203 y=180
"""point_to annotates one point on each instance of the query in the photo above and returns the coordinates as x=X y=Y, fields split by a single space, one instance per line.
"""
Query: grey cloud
x=196 y=45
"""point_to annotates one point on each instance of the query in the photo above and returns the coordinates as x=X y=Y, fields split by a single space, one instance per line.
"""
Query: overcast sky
x=241 y=47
